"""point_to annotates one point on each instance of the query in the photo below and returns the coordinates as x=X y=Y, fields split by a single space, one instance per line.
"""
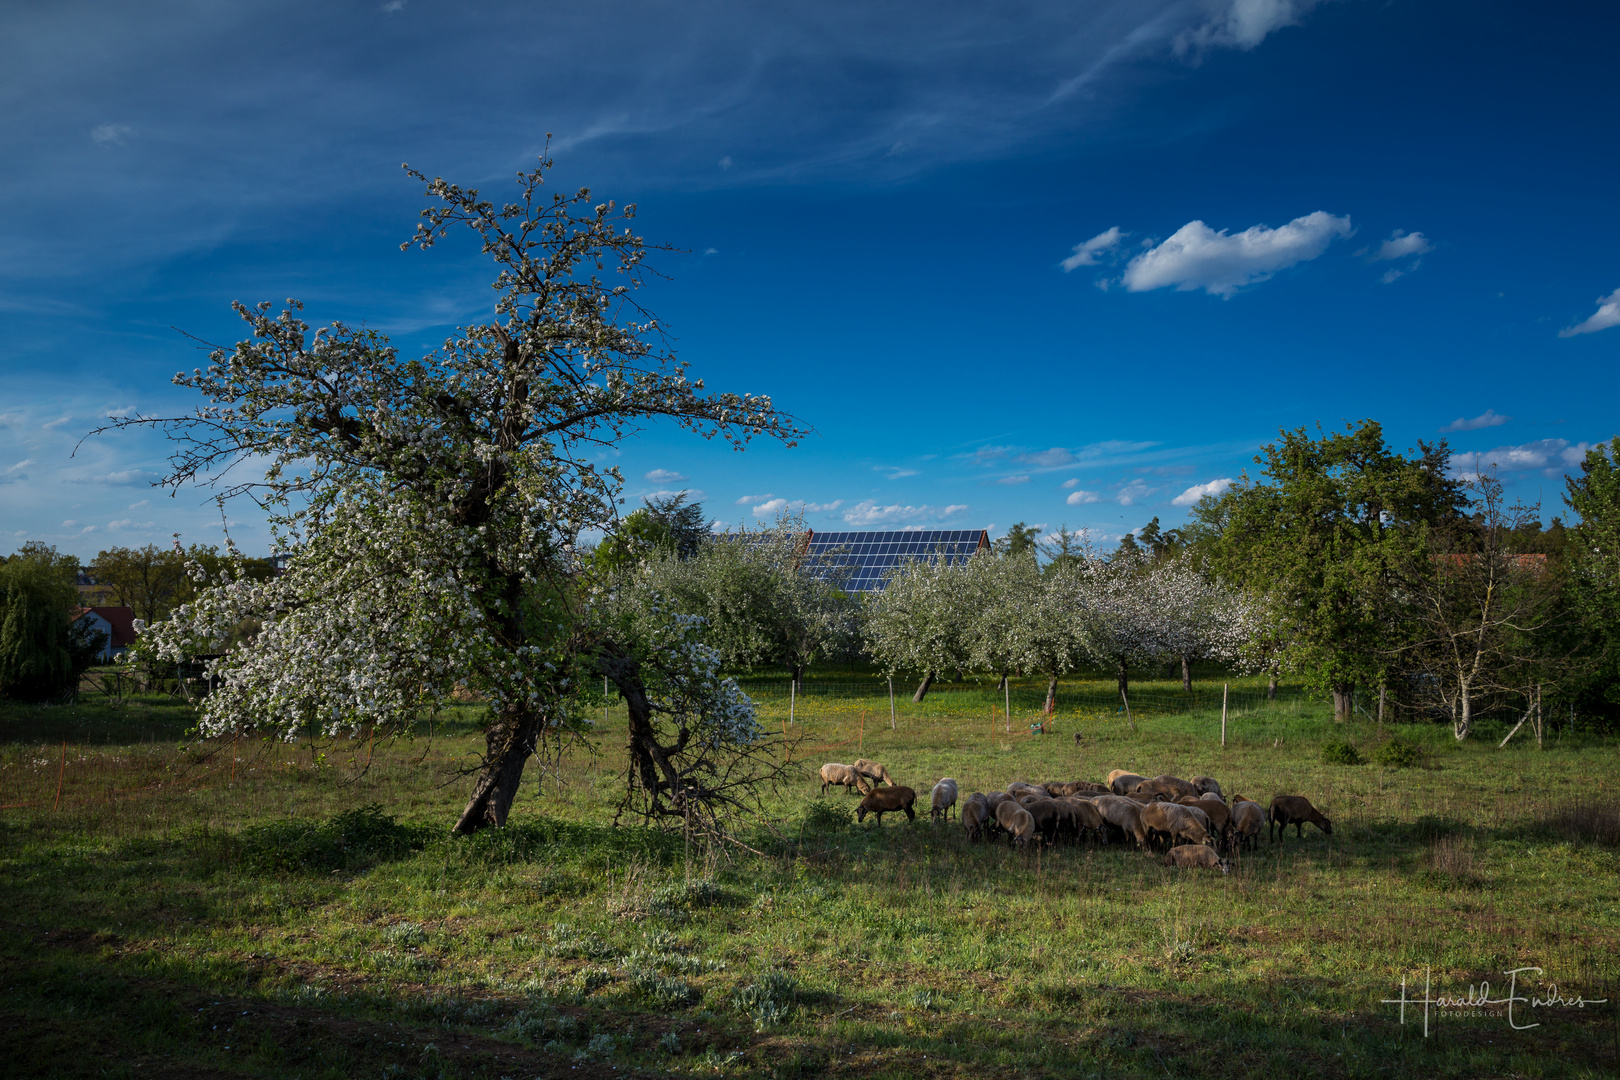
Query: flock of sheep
x=1191 y=819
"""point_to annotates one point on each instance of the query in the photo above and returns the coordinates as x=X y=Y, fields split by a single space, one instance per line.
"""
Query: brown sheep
x=1247 y=817
x=1075 y=787
x=1196 y=856
x=975 y=813
x=1295 y=810
x=1124 y=815
x=1087 y=818
x=846 y=776
x=873 y=772
x=941 y=799
x=1049 y=817
x=1018 y=789
x=1169 y=787
x=1005 y=811
x=884 y=800
x=1220 y=817
x=1021 y=827
x=1175 y=822
x=1208 y=785
x=1121 y=782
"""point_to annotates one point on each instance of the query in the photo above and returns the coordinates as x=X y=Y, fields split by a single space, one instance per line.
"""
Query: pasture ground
x=180 y=908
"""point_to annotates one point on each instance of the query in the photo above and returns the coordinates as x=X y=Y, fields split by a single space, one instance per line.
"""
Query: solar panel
x=864 y=558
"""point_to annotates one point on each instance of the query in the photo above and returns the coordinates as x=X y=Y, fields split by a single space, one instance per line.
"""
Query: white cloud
x=724 y=163
x=748 y=499
x=692 y=494
x=869 y=512
x=1086 y=254
x=1401 y=244
x=822 y=508
x=23 y=464
x=1070 y=484
x=1080 y=498
x=70 y=524
x=111 y=134
x=1013 y=480
x=393 y=7
x=1488 y=418
x=1054 y=458
x=1552 y=456
x=894 y=472
x=1242 y=24
x=664 y=476
x=138 y=505
x=58 y=422
x=1198 y=491
x=1607 y=315
x=124 y=476
x=1197 y=257
x=711 y=251
x=1133 y=492
x=1395 y=273
x=771 y=507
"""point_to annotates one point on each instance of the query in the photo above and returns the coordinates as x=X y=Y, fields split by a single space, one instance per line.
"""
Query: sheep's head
x=1327 y=826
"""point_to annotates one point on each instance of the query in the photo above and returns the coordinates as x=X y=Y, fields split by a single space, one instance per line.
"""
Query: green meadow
x=177 y=907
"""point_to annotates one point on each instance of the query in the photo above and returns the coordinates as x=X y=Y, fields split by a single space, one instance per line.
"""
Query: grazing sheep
x=1018 y=789
x=1121 y=782
x=1049 y=817
x=846 y=776
x=975 y=814
x=883 y=800
x=1021 y=828
x=1196 y=856
x=874 y=772
x=1295 y=810
x=1124 y=815
x=1075 y=787
x=1247 y=817
x=1220 y=817
x=1208 y=785
x=1169 y=787
x=1175 y=822
x=1024 y=798
x=943 y=798
x=1087 y=818
x=1005 y=811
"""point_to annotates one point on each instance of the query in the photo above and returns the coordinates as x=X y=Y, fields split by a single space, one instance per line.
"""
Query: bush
x=768 y=1001
x=1397 y=755
x=344 y=841
x=1341 y=753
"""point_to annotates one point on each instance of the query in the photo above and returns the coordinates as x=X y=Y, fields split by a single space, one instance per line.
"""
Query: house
x=118 y=623
x=92 y=591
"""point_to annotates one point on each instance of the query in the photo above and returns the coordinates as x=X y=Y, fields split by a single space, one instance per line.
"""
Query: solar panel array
x=868 y=556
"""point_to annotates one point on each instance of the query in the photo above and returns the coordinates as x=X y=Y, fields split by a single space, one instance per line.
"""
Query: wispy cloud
x=748 y=500
x=50 y=425
x=1548 y=456
x=1198 y=257
x=1198 y=491
x=1607 y=315
x=1242 y=24
x=870 y=512
x=1400 y=245
x=111 y=134
x=1086 y=253
x=894 y=472
x=1013 y=480
x=1080 y=498
x=664 y=476
x=1133 y=493
x=1488 y=419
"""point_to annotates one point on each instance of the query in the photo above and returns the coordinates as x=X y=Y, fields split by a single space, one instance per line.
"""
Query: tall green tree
x=43 y=649
x=1593 y=556
x=1321 y=534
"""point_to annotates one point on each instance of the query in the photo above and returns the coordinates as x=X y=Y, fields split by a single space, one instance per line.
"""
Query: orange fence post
x=60 y=776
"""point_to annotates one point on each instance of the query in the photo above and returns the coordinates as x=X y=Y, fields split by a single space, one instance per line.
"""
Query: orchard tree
x=431 y=506
x=1322 y=534
x=921 y=620
x=1594 y=558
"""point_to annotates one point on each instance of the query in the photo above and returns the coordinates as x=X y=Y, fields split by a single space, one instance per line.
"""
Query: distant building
x=868 y=556
x=91 y=590
x=118 y=623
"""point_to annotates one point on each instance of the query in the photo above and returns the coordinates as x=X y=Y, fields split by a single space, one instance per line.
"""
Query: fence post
x=1224 y=688
x=793 y=698
x=892 y=725
x=60 y=776
x=1006 y=697
x=863 y=731
x=1127 y=701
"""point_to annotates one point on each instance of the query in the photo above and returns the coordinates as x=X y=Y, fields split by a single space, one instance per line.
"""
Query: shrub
x=1341 y=753
x=1397 y=755
x=344 y=841
x=826 y=817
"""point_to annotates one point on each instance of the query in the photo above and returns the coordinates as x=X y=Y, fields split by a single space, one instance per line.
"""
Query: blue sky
x=1020 y=261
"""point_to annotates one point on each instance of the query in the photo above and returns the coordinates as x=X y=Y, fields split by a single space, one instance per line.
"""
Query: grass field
x=179 y=909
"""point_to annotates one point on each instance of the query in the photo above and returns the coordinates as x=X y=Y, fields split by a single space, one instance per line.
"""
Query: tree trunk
x=1271 y=688
x=1186 y=674
x=1382 y=690
x=1538 y=728
x=1124 y=678
x=922 y=688
x=1343 y=701
x=1001 y=687
x=507 y=746
x=798 y=677
x=1051 y=694
x=1464 y=716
